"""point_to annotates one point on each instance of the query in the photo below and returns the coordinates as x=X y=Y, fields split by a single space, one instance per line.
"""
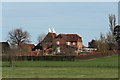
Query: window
x=73 y=43
x=58 y=42
x=68 y=43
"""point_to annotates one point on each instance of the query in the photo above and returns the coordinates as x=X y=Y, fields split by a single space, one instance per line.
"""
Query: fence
x=41 y=58
x=59 y=57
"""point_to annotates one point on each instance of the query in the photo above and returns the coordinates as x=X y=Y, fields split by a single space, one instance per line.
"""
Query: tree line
x=106 y=41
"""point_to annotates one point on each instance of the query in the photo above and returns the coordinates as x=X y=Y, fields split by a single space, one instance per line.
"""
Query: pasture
x=106 y=67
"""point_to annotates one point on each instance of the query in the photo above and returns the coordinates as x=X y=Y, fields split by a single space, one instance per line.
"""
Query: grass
x=106 y=67
x=58 y=72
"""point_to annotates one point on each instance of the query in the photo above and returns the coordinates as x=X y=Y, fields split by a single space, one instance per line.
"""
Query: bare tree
x=112 y=22
x=18 y=36
x=41 y=37
x=109 y=36
x=102 y=43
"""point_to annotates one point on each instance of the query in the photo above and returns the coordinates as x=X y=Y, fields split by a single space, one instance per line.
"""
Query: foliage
x=4 y=48
x=117 y=35
x=92 y=44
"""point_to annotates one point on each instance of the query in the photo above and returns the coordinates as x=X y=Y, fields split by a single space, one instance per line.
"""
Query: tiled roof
x=49 y=37
x=69 y=37
x=27 y=45
x=38 y=46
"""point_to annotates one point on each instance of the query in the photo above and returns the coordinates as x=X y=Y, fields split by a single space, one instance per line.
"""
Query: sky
x=87 y=19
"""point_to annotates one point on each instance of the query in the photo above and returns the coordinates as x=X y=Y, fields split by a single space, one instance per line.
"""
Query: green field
x=106 y=67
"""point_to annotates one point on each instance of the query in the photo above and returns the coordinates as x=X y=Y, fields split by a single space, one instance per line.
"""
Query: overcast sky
x=86 y=19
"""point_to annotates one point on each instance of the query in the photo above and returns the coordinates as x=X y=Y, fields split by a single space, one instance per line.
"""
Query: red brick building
x=54 y=44
x=70 y=40
x=61 y=43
